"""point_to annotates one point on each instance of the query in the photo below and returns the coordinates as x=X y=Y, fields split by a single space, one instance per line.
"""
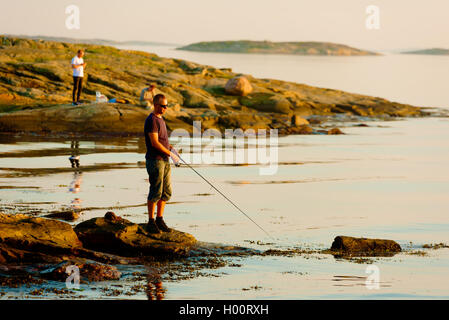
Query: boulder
x=10 y=255
x=90 y=271
x=94 y=117
x=335 y=131
x=298 y=121
x=122 y=237
x=111 y=216
x=330 y=131
x=302 y=129
x=198 y=99
x=37 y=234
x=267 y=102
x=238 y=86
x=243 y=121
x=69 y=215
x=364 y=246
x=191 y=67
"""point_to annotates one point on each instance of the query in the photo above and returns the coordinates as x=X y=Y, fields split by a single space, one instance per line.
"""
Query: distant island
x=434 y=51
x=102 y=42
x=268 y=47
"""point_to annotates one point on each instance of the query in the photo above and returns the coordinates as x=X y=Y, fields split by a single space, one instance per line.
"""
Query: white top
x=78 y=72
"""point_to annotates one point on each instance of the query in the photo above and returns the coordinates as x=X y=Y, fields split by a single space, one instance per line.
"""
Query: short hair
x=80 y=50
x=158 y=98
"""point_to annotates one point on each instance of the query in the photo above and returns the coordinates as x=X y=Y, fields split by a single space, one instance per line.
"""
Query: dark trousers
x=77 y=88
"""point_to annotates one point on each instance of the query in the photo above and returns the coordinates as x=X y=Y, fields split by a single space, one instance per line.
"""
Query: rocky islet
x=36 y=83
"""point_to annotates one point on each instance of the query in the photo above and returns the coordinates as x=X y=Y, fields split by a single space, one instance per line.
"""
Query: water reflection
x=75 y=185
x=75 y=204
x=154 y=289
x=75 y=157
x=415 y=149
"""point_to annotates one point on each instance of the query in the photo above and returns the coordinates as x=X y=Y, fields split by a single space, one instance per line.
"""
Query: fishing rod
x=224 y=196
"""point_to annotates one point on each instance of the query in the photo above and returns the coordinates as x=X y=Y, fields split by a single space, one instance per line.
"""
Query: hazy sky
x=403 y=23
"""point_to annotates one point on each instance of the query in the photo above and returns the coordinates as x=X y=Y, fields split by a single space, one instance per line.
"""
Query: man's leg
x=166 y=194
x=151 y=205
x=75 y=84
x=80 y=88
x=166 y=186
x=166 y=189
x=160 y=208
x=155 y=174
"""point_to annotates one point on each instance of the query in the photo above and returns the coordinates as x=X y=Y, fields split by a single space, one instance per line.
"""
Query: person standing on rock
x=78 y=66
x=157 y=164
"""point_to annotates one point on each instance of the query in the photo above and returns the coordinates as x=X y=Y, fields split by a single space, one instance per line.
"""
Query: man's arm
x=76 y=66
x=154 y=138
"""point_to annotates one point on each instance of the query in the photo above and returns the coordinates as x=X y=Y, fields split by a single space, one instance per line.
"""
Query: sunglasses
x=164 y=105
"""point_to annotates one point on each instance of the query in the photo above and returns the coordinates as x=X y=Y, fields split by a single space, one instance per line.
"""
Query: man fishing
x=158 y=165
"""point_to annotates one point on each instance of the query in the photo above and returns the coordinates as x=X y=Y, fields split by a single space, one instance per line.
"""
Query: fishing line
x=224 y=196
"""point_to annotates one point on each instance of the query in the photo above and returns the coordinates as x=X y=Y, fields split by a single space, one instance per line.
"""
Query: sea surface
x=414 y=79
x=389 y=179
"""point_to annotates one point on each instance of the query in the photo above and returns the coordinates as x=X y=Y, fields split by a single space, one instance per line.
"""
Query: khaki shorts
x=160 y=181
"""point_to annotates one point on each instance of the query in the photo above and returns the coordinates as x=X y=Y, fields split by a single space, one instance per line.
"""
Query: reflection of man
x=76 y=204
x=155 y=289
x=75 y=157
x=147 y=96
x=78 y=66
x=75 y=185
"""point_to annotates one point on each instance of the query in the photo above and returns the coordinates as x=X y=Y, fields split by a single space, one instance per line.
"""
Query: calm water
x=415 y=79
x=388 y=180
x=385 y=182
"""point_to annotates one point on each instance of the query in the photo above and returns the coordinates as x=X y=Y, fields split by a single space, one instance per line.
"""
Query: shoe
x=74 y=104
x=152 y=227
x=161 y=225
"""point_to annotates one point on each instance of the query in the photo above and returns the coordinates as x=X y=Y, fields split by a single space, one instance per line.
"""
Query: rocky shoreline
x=34 y=250
x=115 y=257
x=35 y=94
